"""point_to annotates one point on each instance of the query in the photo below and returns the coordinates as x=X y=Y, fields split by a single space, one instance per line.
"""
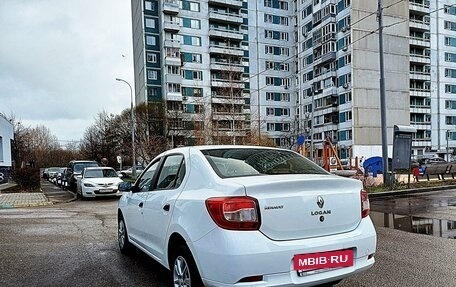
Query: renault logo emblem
x=320 y=201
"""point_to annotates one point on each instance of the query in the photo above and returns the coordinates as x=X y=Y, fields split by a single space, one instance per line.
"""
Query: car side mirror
x=125 y=186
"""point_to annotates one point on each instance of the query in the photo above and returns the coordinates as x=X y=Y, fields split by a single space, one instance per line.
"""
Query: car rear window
x=248 y=162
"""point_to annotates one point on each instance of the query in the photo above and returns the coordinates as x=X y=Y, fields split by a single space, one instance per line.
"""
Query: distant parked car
x=129 y=171
x=61 y=177
x=431 y=160
x=75 y=168
x=52 y=173
x=98 y=181
x=45 y=173
x=247 y=216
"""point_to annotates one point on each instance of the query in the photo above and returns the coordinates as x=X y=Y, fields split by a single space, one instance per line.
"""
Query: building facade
x=6 y=136
x=231 y=69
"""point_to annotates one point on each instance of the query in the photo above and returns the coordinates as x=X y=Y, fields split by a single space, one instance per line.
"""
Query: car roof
x=98 y=167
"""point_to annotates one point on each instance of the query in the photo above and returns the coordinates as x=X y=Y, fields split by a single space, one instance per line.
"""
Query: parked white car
x=98 y=181
x=247 y=216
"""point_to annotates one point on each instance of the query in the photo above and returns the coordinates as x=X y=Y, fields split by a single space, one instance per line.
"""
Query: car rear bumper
x=225 y=257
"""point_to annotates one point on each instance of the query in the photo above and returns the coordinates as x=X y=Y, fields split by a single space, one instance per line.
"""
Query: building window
x=450 y=25
x=271 y=127
x=152 y=75
x=450 y=89
x=174 y=88
x=268 y=18
x=450 y=41
x=269 y=111
x=268 y=50
x=267 y=3
x=450 y=73
x=268 y=34
x=285 y=97
x=450 y=57
x=269 y=96
x=150 y=23
x=269 y=81
x=174 y=70
x=450 y=9
x=192 y=75
x=151 y=58
x=150 y=40
x=284 y=20
x=283 y=5
x=191 y=23
x=148 y=5
x=192 y=40
x=190 y=6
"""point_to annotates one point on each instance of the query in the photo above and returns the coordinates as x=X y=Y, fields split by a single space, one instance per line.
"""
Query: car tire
x=184 y=270
x=122 y=238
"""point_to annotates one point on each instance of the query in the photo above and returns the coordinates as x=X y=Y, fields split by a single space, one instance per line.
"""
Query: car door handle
x=141 y=204
x=166 y=207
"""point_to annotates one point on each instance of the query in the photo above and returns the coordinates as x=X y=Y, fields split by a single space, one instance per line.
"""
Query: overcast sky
x=59 y=60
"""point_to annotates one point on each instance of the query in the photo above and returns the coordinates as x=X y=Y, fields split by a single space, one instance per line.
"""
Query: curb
x=405 y=192
x=20 y=205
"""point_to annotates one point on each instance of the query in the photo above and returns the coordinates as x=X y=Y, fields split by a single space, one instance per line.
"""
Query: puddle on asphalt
x=435 y=227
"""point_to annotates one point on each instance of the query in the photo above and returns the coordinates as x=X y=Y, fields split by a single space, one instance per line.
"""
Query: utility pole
x=384 y=128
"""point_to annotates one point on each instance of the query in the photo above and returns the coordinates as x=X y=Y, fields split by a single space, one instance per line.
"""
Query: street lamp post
x=133 y=167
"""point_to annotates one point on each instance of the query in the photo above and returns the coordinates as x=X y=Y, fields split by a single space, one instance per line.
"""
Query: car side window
x=172 y=172
x=145 y=182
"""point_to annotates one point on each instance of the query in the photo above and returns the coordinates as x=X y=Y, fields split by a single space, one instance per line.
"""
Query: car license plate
x=105 y=190
x=323 y=260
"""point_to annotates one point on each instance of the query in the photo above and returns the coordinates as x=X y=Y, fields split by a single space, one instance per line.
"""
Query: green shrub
x=28 y=178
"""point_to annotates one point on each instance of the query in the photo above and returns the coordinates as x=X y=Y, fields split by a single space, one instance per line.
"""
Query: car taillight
x=234 y=213
x=365 y=205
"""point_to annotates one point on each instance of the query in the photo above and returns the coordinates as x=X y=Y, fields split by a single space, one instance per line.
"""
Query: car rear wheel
x=185 y=273
x=122 y=237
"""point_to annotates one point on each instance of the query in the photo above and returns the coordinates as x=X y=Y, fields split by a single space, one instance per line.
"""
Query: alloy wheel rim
x=181 y=273
x=121 y=234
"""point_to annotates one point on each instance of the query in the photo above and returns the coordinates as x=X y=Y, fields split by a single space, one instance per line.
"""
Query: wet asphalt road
x=74 y=244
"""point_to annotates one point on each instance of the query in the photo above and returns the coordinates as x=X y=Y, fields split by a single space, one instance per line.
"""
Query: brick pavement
x=14 y=200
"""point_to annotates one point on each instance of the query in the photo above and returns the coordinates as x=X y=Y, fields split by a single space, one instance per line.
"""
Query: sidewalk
x=15 y=200
x=50 y=195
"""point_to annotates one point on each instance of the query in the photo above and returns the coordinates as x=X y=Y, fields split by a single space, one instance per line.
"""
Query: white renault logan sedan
x=247 y=216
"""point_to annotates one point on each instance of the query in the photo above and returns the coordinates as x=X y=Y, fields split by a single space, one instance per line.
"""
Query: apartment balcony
x=328 y=57
x=173 y=95
x=422 y=59
x=420 y=109
x=225 y=17
x=227 y=116
x=173 y=61
x=238 y=68
x=173 y=78
x=419 y=25
x=171 y=26
x=420 y=75
x=416 y=6
x=420 y=92
x=171 y=7
x=227 y=100
x=226 y=83
x=171 y=43
x=226 y=34
x=226 y=50
x=230 y=3
x=420 y=41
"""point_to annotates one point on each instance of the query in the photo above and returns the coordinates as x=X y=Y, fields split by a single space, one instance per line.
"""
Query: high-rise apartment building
x=229 y=69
